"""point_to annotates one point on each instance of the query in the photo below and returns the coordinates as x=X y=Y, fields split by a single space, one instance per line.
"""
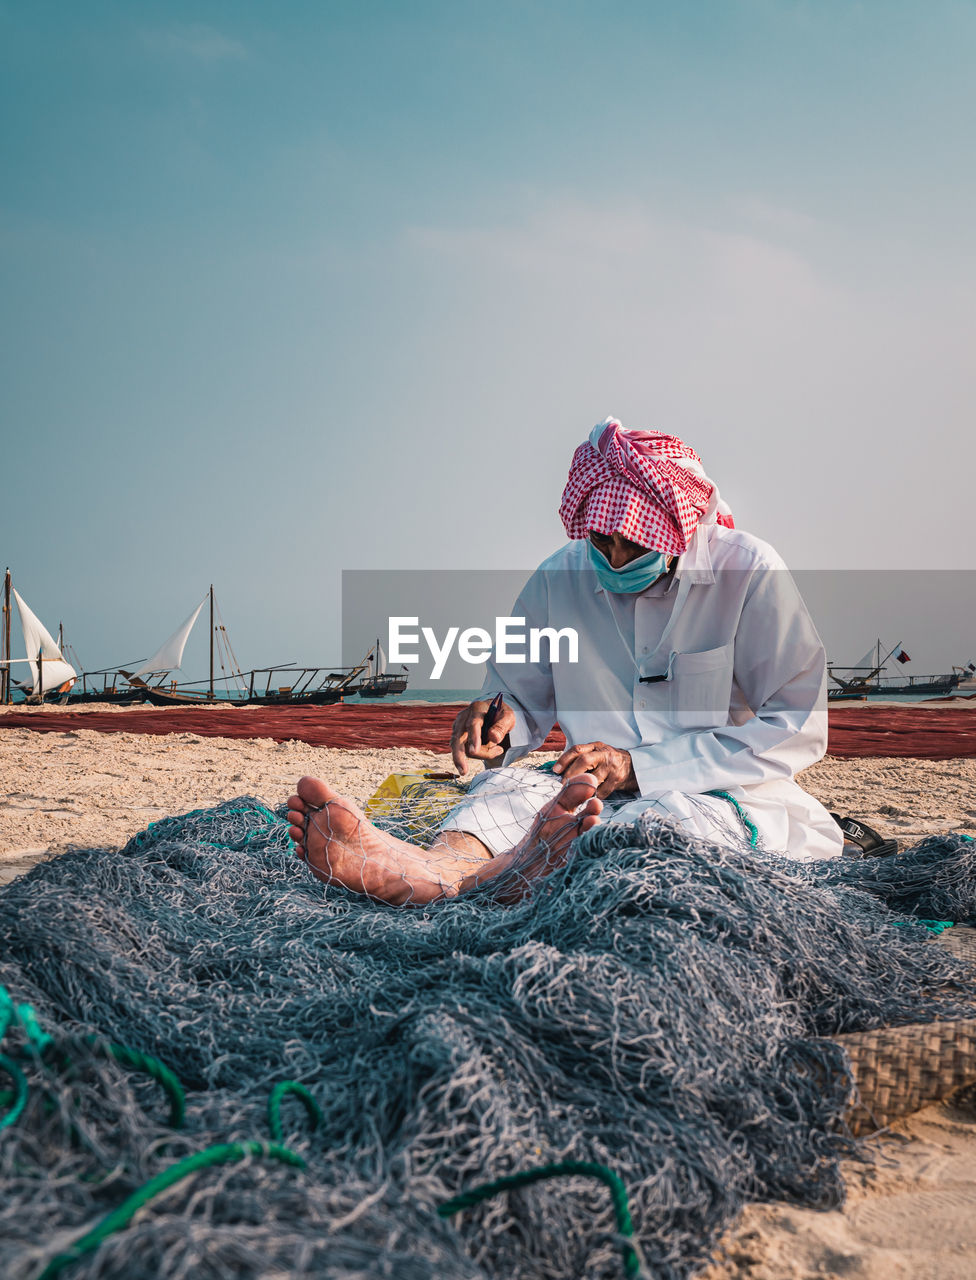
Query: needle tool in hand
x=491 y=715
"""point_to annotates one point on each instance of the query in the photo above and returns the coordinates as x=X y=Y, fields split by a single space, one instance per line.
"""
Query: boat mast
x=211 y=640
x=5 y=646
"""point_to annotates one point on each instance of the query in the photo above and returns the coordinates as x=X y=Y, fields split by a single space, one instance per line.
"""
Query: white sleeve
x=780 y=668
x=526 y=686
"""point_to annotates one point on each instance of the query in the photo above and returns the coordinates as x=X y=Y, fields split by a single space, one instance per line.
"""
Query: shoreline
x=963 y=704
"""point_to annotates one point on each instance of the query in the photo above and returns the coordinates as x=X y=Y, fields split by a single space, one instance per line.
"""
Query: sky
x=292 y=289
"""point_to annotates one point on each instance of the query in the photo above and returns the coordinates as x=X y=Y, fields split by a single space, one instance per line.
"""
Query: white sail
x=376 y=661
x=170 y=654
x=863 y=666
x=37 y=640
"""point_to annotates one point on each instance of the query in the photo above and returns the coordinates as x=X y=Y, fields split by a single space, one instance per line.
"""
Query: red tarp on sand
x=936 y=733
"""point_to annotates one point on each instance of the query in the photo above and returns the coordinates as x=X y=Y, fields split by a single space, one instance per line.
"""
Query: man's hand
x=613 y=769
x=466 y=742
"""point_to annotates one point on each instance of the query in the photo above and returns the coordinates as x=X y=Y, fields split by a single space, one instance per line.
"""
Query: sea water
x=418 y=695
x=469 y=695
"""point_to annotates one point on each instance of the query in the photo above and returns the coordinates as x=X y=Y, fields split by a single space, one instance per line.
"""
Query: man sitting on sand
x=699 y=692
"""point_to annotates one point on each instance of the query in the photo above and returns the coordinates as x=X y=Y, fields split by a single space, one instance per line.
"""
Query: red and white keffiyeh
x=648 y=486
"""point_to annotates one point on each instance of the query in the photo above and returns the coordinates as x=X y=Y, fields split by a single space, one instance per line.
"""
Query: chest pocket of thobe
x=701 y=688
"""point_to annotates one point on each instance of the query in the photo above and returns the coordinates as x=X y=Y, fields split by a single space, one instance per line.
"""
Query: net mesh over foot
x=653 y=1004
x=428 y=836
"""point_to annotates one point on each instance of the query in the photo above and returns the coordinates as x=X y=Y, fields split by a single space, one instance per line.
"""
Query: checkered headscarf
x=646 y=485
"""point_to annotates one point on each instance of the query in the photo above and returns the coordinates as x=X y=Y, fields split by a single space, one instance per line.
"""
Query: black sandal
x=867 y=841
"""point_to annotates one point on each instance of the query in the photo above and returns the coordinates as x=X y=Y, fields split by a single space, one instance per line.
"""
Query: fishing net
x=654 y=1005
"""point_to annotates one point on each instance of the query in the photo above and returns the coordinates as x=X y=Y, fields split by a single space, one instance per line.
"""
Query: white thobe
x=742 y=706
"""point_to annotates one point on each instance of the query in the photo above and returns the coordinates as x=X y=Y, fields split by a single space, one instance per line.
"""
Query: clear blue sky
x=293 y=288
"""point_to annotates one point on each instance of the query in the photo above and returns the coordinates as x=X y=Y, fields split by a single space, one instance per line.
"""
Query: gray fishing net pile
x=656 y=1005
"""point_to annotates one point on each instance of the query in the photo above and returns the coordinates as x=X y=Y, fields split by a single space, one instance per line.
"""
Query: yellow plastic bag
x=420 y=801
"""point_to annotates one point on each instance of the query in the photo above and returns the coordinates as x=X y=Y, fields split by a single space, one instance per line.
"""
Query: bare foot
x=341 y=846
x=547 y=844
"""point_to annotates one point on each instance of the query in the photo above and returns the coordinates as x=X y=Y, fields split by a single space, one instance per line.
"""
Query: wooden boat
x=128 y=696
x=380 y=686
x=287 y=685
x=172 y=697
x=932 y=686
x=870 y=682
x=308 y=687
x=169 y=657
x=106 y=685
x=51 y=675
x=379 y=682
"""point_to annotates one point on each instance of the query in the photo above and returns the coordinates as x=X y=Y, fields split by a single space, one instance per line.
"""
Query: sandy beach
x=913 y=1215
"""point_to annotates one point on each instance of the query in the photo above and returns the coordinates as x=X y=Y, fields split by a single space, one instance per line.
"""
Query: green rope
x=267 y=814
x=278 y=1094
x=933 y=926
x=747 y=822
x=224 y=1153
x=161 y=825
x=566 y=1169
x=24 y=1014
x=152 y=1067
x=39 y=1038
x=6 y=1012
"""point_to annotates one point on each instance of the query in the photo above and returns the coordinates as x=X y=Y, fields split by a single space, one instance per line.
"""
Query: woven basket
x=961 y=941
x=898 y=1070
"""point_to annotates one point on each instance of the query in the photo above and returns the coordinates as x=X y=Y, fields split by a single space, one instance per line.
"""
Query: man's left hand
x=613 y=769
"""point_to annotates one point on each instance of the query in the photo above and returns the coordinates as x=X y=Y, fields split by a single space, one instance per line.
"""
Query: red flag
x=902 y=656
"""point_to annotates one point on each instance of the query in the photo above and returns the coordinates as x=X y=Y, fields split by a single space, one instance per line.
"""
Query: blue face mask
x=633 y=577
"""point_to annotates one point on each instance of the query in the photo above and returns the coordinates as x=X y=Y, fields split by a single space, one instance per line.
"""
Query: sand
x=913 y=1216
